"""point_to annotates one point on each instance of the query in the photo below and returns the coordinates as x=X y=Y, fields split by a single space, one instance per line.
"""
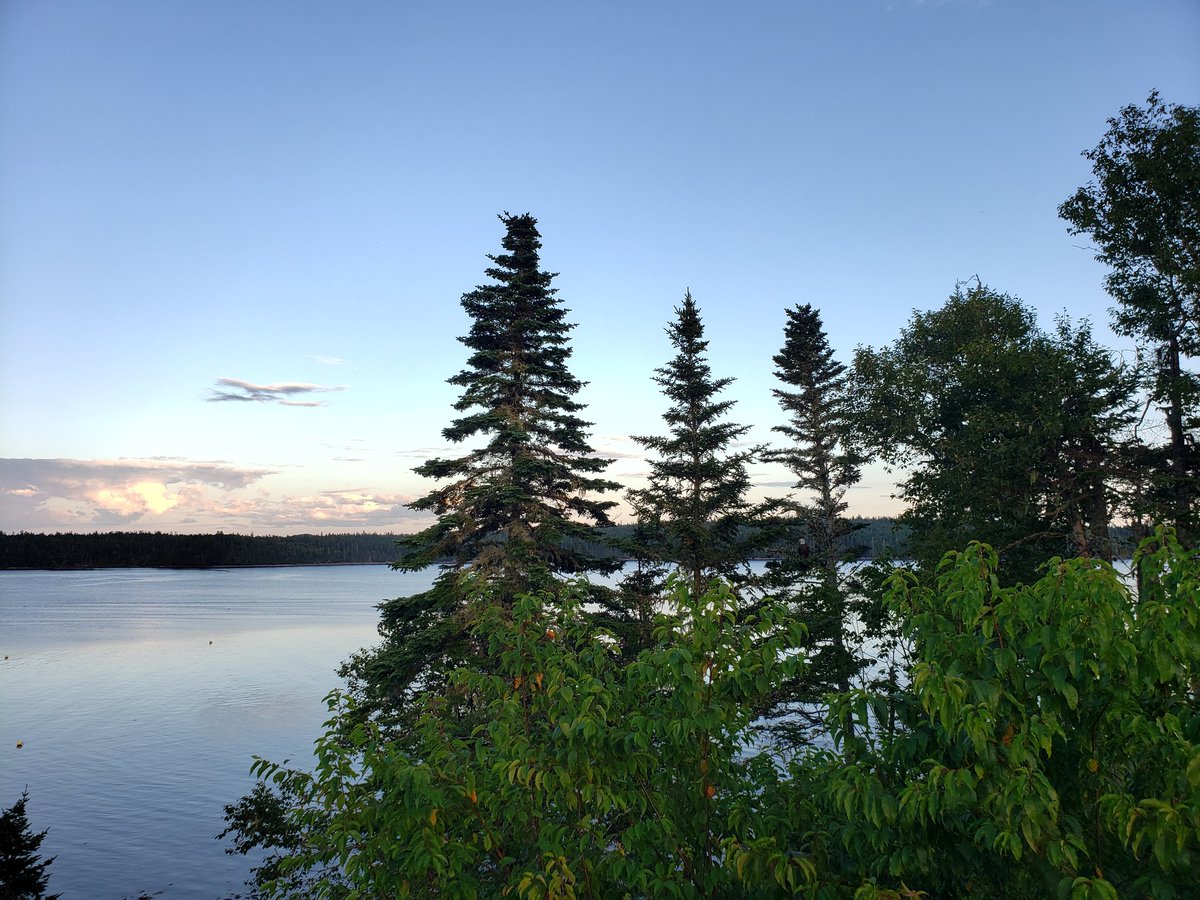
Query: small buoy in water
x=20 y=744
x=210 y=643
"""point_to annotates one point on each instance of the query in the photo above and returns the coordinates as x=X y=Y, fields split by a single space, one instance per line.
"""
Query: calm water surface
x=140 y=696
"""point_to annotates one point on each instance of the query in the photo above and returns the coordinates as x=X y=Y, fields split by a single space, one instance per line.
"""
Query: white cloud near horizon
x=75 y=491
x=613 y=446
x=73 y=494
x=609 y=453
x=279 y=392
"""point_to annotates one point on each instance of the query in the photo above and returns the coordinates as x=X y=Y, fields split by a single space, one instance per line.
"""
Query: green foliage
x=630 y=612
x=1091 y=456
x=694 y=507
x=1143 y=213
x=263 y=820
x=1046 y=742
x=23 y=874
x=1006 y=432
x=1050 y=742
x=586 y=776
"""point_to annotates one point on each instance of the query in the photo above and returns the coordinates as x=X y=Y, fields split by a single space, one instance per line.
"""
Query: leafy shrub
x=1049 y=744
x=586 y=777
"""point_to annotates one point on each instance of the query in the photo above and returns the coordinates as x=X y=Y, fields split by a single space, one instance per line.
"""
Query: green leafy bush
x=1049 y=744
x=587 y=776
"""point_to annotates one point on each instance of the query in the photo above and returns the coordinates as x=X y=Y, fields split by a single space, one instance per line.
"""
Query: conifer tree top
x=698 y=480
x=513 y=502
x=518 y=505
x=22 y=870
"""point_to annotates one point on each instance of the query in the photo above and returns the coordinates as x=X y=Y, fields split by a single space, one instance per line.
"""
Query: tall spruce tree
x=508 y=507
x=695 y=502
x=810 y=532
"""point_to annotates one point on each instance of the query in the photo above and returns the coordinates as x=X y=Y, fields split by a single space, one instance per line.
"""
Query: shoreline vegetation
x=158 y=549
x=872 y=538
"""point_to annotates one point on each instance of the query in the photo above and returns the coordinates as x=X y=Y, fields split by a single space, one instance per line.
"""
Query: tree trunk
x=1181 y=488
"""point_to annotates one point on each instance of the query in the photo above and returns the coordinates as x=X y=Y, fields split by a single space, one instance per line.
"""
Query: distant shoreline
x=309 y=565
x=69 y=551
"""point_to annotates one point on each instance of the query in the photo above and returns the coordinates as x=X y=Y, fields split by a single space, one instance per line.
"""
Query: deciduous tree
x=1048 y=745
x=1051 y=742
x=997 y=426
x=1143 y=212
x=588 y=776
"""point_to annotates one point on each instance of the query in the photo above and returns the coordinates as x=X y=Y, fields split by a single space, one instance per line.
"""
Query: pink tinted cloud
x=58 y=494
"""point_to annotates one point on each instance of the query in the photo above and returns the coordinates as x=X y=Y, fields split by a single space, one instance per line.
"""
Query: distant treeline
x=874 y=537
x=146 y=549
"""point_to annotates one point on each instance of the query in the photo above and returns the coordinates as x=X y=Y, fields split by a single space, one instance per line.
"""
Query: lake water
x=140 y=696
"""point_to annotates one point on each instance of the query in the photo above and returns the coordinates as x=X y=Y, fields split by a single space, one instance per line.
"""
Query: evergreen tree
x=696 y=496
x=509 y=507
x=810 y=534
x=629 y=612
x=23 y=873
x=1093 y=456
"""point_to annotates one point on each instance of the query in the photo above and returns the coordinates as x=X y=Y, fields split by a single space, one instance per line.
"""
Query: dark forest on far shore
x=874 y=537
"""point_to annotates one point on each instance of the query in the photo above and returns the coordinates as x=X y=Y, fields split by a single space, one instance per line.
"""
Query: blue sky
x=282 y=202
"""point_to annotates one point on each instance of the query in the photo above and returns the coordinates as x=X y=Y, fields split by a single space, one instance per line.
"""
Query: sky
x=233 y=236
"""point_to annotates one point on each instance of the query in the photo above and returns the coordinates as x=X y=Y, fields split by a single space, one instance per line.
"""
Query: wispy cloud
x=348 y=448
x=328 y=360
x=424 y=453
x=610 y=453
x=618 y=446
x=280 y=392
x=604 y=447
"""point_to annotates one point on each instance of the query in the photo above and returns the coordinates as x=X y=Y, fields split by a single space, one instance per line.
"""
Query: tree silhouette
x=23 y=873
